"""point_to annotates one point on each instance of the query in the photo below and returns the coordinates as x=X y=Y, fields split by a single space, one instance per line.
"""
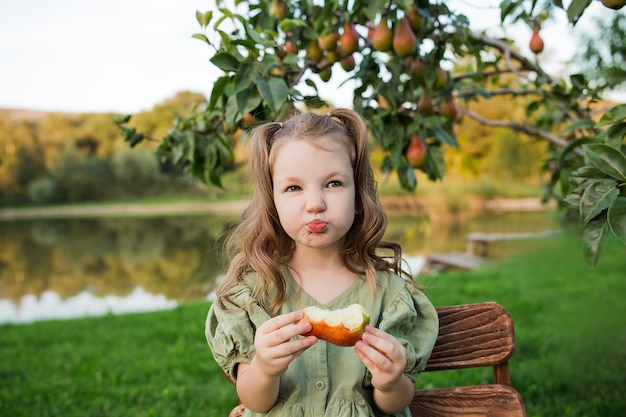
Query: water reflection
x=73 y=267
x=50 y=306
x=175 y=257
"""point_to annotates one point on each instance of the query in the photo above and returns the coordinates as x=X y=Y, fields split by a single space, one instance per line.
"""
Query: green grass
x=570 y=326
x=151 y=364
x=570 y=361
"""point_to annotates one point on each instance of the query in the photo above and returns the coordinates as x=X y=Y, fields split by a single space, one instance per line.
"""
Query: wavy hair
x=259 y=244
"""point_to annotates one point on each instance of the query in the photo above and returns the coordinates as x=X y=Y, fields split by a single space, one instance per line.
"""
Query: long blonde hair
x=259 y=243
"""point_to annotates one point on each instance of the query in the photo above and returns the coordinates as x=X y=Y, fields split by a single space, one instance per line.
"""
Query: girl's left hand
x=383 y=355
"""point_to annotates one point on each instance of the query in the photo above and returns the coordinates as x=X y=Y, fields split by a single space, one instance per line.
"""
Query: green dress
x=326 y=380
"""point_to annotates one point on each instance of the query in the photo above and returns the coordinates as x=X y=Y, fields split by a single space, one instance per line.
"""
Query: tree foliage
x=415 y=66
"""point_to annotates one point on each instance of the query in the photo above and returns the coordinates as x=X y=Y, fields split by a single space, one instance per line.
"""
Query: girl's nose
x=315 y=202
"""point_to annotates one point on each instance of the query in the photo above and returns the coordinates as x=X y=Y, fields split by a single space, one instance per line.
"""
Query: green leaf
x=407 y=178
x=264 y=90
x=274 y=92
x=616 y=218
x=576 y=9
x=202 y=37
x=571 y=146
x=218 y=91
x=597 y=197
x=592 y=237
x=613 y=115
x=435 y=165
x=616 y=133
x=288 y=24
x=606 y=158
x=118 y=120
x=204 y=18
x=251 y=102
x=573 y=200
x=586 y=173
x=225 y=61
x=433 y=126
x=579 y=124
x=244 y=77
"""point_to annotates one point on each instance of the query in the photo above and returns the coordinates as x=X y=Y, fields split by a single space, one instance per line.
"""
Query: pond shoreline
x=391 y=205
x=122 y=210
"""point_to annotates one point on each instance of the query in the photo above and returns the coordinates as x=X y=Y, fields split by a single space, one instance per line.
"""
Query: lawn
x=570 y=361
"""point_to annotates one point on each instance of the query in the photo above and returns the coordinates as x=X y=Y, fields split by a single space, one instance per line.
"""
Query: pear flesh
x=343 y=327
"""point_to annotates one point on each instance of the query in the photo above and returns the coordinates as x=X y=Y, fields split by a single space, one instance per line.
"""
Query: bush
x=45 y=191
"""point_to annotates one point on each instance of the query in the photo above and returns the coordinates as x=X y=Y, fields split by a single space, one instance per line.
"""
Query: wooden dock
x=475 y=254
x=439 y=262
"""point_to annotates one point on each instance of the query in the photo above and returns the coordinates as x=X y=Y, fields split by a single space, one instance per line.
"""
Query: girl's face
x=314 y=193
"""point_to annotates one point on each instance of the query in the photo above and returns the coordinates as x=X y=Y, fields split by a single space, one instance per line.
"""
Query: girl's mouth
x=316 y=226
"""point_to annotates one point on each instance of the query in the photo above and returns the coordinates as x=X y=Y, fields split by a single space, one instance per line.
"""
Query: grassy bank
x=570 y=326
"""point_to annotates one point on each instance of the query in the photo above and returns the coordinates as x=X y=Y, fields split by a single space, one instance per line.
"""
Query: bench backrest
x=472 y=335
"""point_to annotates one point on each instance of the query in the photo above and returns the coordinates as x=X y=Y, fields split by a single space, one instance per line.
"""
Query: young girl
x=312 y=236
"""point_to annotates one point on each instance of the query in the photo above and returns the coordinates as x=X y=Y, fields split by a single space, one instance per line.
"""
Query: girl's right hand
x=275 y=345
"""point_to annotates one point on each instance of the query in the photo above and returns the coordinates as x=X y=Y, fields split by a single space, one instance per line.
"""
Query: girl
x=312 y=236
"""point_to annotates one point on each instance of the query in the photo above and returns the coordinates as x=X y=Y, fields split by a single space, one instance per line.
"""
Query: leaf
x=606 y=158
x=204 y=18
x=616 y=133
x=202 y=37
x=435 y=165
x=573 y=200
x=218 y=89
x=616 y=218
x=288 y=24
x=613 y=115
x=225 y=61
x=597 y=197
x=586 y=173
x=571 y=146
x=441 y=134
x=576 y=9
x=592 y=236
x=579 y=124
x=276 y=94
x=264 y=90
x=118 y=120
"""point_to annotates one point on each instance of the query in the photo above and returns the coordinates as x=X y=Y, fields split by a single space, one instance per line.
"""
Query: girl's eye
x=292 y=188
x=334 y=184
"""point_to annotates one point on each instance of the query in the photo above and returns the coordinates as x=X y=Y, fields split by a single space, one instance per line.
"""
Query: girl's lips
x=316 y=226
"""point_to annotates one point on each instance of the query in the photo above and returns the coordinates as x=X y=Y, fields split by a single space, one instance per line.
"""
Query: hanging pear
x=381 y=37
x=404 y=40
x=536 y=43
x=349 y=40
x=416 y=152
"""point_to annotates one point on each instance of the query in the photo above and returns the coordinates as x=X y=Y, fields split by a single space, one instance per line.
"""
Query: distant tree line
x=62 y=158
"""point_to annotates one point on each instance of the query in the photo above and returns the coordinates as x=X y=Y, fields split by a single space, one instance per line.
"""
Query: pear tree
x=414 y=68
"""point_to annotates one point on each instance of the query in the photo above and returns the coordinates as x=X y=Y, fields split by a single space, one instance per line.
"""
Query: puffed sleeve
x=413 y=320
x=230 y=328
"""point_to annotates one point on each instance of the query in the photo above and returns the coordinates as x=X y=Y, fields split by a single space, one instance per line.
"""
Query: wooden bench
x=470 y=336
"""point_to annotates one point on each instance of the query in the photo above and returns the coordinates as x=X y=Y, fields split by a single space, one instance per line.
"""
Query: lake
x=66 y=268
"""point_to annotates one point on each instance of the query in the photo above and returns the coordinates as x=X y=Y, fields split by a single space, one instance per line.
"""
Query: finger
x=278 y=322
x=385 y=343
x=292 y=349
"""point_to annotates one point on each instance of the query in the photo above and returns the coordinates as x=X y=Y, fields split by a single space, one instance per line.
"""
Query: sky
x=125 y=56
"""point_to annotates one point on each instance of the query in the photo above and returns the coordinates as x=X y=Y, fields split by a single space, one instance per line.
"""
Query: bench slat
x=472 y=335
x=489 y=400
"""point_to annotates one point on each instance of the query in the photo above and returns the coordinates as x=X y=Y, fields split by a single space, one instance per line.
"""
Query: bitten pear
x=342 y=327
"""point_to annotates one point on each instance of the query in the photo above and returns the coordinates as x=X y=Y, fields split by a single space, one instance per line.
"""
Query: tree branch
x=516 y=127
x=511 y=53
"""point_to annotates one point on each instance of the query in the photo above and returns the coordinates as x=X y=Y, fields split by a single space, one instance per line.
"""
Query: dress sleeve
x=413 y=320
x=230 y=328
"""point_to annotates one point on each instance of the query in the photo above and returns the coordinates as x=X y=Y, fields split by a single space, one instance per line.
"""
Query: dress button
x=320 y=385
